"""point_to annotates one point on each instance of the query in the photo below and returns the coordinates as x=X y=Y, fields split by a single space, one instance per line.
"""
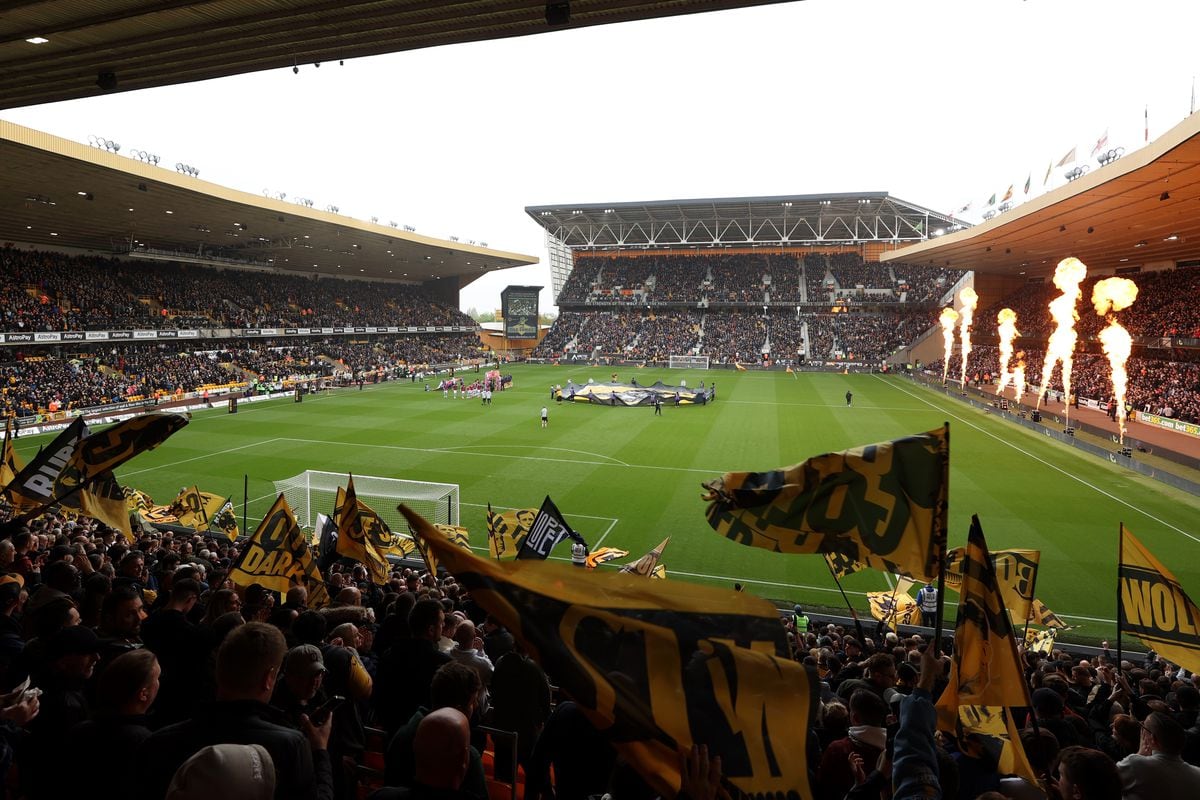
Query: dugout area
x=615 y=393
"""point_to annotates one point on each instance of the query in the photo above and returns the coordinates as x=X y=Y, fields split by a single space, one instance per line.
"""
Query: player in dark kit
x=849 y=397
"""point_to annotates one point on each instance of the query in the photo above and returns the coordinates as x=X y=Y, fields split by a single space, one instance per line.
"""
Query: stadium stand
x=51 y=292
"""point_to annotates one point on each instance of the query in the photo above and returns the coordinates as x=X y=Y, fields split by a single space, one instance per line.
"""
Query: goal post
x=313 y=492
x=687 y=362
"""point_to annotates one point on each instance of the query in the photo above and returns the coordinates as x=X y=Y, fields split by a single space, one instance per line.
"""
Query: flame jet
x=947 y=319
x=1109 y=295
x=969 y=300
x=1007 y=322
x=1018 y=377
x=1069 y=273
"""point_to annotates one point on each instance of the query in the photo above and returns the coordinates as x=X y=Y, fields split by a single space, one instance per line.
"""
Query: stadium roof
x=1143 y=208
x=52 y=50
x=62 y=194
x=808 y=219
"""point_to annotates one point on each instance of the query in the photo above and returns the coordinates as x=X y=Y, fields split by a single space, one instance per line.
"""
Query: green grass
x=626 y=478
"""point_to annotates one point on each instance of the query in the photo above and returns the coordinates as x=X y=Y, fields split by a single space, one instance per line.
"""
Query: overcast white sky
x=939 y=102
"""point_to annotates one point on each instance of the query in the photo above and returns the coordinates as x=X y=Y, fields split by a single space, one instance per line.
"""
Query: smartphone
x=321 y=713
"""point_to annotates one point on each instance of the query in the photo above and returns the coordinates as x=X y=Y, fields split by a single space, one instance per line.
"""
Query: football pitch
x=626 y=478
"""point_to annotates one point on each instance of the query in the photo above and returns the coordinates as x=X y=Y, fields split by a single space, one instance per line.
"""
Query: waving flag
x=658 y=667
x=883 y=505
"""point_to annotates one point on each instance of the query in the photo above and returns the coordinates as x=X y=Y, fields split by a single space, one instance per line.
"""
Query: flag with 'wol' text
x=278 y=556
x=1153 y=606
x=658 y=667
x=883 y=505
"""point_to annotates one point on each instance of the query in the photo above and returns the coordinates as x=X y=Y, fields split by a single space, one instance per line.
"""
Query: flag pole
x=857 y=623
x=1120 y=560
x=1029 y=611
x=943 y=515
x=245 y=499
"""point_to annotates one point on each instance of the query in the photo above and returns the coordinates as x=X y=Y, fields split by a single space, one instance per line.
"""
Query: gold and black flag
x=648 y=564
x=986 y=677
x=1153 y=606
x=113 y=446
x=34 y=486
x=507 y=530
x=883 y=505
x=657 y=667
x=278 y=556
x=602 y=555
x=359 y=530
x=1016 y=574
x=103 y=500
x=204 y=511
x=10 y=462
x=455 y=534
x=895 y=606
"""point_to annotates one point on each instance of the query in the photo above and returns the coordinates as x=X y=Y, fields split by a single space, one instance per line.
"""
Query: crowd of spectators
x=1165 y=307
x=719 y=278
x=922 y=285
x=561 y=334
x=157 y=676
x=1156 y=385
x=737 y=336
x=731 y=335
x=39 y=382
x=786 y=275
x=44 y=291
x=736 y=279
x=850 y=272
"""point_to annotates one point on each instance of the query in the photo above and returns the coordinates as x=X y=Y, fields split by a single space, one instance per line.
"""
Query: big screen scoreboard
x=519 y=305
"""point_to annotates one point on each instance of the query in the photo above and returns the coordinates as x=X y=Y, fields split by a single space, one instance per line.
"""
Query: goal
x=688 y=362
x=313 y=492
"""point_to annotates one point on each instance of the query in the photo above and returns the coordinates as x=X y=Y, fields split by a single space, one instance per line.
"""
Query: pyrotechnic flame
x=1115 y=294
x=1069 y=273
x=1007 y=319
x=947 y=319
x=1018 y=377
x=969 y=300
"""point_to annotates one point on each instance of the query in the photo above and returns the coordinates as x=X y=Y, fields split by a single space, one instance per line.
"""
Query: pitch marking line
x=198 y=458
x=1052 y=466
x=613 y=520
x=452 y=451
x=616 y=461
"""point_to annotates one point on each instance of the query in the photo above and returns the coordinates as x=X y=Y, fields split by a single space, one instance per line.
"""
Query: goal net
x=688 y=362
x=313 y=492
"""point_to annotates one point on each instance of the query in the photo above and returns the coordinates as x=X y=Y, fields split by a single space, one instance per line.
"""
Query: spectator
x=246 y=671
